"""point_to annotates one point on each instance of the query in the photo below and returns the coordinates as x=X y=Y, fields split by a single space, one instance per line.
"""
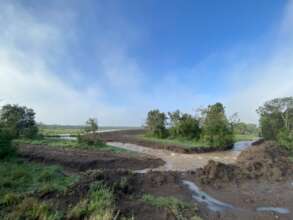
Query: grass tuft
x=177 y=207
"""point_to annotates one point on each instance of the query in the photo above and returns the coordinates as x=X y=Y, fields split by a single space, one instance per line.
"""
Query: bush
x=90 y=139
x=184 y=125
x=6 y=148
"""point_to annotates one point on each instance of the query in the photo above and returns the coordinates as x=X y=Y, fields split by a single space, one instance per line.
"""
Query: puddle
x=273 y=209
x=202 y=197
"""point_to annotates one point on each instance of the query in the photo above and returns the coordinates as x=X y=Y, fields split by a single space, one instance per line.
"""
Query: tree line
x=212 y=126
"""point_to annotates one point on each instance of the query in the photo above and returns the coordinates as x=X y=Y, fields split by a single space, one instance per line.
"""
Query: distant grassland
x=72 y=130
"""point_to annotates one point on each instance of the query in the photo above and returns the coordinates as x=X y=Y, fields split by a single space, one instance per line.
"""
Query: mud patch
x=82 y=160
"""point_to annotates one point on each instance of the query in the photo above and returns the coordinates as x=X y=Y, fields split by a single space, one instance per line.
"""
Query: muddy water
x=182 y=162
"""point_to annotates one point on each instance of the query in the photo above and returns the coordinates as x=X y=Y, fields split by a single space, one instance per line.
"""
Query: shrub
x=90 y=139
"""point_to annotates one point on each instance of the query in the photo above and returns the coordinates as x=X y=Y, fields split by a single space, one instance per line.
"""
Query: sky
x=117 y=59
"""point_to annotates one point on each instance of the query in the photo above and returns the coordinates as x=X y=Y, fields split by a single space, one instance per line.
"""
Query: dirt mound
x=265 y=161
x=82 y=160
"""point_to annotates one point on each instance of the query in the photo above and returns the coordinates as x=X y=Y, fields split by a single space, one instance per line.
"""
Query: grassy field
x=59 y=143
x=56 y=130
x=19 y=187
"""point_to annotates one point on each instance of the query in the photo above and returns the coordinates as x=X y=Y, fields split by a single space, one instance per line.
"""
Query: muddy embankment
x=131 y=136
x=81 y=160
x=128 y=189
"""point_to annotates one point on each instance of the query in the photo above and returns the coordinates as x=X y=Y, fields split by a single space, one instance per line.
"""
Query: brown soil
x=81 y=160
x=265 y=161
x=131 y=136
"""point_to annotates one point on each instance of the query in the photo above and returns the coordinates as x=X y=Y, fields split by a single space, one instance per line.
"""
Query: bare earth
x=247 y=196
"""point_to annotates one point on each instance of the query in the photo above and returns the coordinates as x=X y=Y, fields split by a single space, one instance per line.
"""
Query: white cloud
x=27 y=47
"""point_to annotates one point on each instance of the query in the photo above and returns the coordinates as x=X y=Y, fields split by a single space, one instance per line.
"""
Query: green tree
x=18 y=121
x=183 y=125
x=276 y=121
x=92 y=125
x=276 y=115
x=156 y=123
x=217 y=130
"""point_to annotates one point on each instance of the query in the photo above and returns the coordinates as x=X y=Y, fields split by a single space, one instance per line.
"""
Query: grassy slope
x=24 y=180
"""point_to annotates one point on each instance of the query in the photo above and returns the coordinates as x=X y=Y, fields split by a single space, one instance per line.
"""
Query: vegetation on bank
x=210 y=129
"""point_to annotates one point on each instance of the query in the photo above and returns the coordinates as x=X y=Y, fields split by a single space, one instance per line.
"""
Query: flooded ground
x=183 y=162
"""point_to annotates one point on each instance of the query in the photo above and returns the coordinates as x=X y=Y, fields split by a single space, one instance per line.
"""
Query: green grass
x=20 y=181
x=98 y=205
x=185 y=143
x=177 y=207
x=74 y=144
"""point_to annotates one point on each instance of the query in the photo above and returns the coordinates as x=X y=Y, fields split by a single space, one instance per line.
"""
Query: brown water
x=183 y=162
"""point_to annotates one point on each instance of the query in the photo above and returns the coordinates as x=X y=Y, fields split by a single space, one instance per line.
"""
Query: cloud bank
x=119 y=90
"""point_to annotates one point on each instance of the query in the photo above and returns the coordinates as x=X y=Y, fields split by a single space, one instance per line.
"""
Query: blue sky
x=115 y=60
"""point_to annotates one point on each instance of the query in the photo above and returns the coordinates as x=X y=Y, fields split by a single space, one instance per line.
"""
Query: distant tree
x=19 y=121
x=217 y=130
x=183 y=125
x=156 y=123
x=92 y=125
